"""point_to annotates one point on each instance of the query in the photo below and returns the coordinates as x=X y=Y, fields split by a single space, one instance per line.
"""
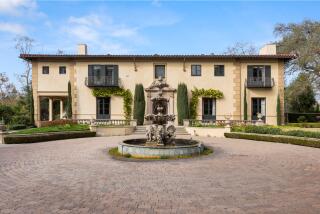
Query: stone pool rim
x=195 y=148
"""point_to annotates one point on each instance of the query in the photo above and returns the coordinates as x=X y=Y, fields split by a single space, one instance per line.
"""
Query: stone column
x=61 y=109
x=50 y=109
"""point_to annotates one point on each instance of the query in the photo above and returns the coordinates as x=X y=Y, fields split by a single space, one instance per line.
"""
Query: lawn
x=58 y=128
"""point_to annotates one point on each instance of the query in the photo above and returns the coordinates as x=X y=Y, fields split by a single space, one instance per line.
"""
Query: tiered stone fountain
x=160 y=135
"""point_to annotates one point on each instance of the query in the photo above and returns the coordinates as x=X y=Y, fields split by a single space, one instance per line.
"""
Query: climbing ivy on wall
x=125 y=93
x=196 y=93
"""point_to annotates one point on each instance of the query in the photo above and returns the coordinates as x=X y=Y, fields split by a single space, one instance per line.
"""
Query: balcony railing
x=101 y=81
x=259 y=82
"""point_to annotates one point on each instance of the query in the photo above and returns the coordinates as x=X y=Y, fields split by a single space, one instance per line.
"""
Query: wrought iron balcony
x=101 y=81
x=259 y=82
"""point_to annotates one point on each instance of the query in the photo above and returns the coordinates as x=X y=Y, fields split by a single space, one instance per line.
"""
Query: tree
x=24 y=45
x=241 y=48
x=299 y=95
x=303 y=40
x=245 y=105
x=182 y=103
x=8 y=92
x=278 y=111
x=139 y=104
x=69 y=102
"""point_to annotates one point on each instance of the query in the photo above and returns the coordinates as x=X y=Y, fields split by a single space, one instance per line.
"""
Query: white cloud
x=17 y=7
x=12 y=28
x=90 y=20
x=83 y=33
x=122 y=31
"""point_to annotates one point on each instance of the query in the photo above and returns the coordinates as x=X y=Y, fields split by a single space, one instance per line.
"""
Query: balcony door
x=259 y=75
x=103 y=107
x=258 y=106
x=208 y=108
x=103 y=75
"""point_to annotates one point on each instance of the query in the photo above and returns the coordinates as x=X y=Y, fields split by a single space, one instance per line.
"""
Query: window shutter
x=90 y=70
x=250 y=72
x=268 y=71
x=116 y=74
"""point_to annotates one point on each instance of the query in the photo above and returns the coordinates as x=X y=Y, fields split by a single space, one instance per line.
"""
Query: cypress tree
x=139 y=104
x=245 y=105
x=182 y=103
x=278 y=111
x=69 y=102
x=31 y=107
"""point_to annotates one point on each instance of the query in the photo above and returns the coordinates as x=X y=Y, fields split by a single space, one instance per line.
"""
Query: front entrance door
x=258 y=106
x=208 y=108
x=103 y=107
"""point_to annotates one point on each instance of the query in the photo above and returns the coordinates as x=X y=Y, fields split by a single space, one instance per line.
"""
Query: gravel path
x=77 y=176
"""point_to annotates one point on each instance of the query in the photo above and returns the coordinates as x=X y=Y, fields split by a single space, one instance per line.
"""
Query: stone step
x=180 y=130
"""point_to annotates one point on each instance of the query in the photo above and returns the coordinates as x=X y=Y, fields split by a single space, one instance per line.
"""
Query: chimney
x=82 y=49
x=268 y=49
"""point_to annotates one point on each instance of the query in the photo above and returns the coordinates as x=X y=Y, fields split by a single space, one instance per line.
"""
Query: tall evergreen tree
x=182 y=103
x=139 y=104
x=31 y=107
x=69 y=102
x=245 y=105
x=278 y=111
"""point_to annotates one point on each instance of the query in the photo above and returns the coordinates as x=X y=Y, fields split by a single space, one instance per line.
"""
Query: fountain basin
x=140 y=148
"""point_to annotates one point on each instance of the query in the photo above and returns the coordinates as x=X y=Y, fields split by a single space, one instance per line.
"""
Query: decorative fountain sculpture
x=160 y=134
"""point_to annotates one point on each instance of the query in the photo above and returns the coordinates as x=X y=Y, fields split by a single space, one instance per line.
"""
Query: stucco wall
x=130 y=73
x=270 y=94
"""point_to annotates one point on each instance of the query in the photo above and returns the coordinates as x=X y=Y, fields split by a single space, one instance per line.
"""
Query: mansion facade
x=260 y=78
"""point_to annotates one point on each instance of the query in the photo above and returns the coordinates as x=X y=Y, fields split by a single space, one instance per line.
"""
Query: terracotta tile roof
x=151 y=56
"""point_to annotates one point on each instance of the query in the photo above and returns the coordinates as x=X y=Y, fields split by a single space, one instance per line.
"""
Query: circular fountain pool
x=140 y=148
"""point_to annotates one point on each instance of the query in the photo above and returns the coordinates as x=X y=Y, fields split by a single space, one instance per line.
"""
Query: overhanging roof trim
x=154 y=56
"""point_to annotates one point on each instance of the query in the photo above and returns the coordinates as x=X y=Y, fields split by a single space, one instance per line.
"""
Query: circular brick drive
x=77 y=176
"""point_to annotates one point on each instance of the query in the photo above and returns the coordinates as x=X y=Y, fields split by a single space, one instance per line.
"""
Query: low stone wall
x=207 y=132
x=106 y=131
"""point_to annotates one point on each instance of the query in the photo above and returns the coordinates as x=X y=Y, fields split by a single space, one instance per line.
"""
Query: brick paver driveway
x=77 y=176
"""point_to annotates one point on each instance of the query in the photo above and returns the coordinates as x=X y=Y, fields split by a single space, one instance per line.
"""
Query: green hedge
x=302 y=141
x=304 y=125
x=40 y=137
x=272 y=130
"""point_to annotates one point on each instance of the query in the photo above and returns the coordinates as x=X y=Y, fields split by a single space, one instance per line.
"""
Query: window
x=45 y=69
x=159 y=71
x=103 y=108
x=62 y=70
x=208 y=108
x=195 y=70
x=258 y=106
x=219 y=70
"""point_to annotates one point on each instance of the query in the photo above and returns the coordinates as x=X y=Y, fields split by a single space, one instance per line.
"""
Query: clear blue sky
x=144 y=27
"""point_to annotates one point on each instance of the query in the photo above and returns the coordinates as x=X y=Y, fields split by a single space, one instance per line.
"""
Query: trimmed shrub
x=262 y=129
x=278 y=111
x=305 y=125
x=17 y=127
x=57 y=122
x=182 y=103
x=20 y=119
x=302 y=119
x=69 y=102
x=310 y=117
x=31 y=108
x=139 y=104
x=41 y=137
x=245 y=105
x=302 y=141
x=6 y=112
x=271 y=130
